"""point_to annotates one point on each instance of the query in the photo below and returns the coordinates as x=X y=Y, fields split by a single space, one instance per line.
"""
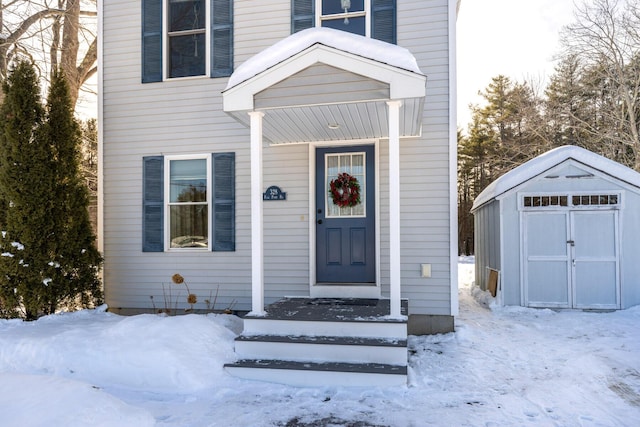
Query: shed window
x=551 y=201
x=595 y=200
x=539 y=201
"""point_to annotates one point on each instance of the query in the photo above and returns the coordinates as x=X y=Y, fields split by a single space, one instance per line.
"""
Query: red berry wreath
x=345 y=190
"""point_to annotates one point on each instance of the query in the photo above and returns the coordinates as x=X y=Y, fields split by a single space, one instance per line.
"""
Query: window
x=570 y=200
x=354 y=164
x=186 y=35
x=194 y=39
x=188 y=202
x=193 y=199
x=370 y=18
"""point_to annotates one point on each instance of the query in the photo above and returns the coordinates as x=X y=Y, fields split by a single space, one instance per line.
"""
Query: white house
x=225 y=124
x=562 y=230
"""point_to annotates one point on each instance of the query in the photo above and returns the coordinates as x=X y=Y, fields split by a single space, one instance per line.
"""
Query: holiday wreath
x=345 y=190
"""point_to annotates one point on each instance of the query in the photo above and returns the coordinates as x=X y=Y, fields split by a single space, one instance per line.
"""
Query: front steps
x=324 y=342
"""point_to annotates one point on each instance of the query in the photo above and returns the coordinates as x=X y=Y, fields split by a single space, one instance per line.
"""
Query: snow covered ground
x=502 y=367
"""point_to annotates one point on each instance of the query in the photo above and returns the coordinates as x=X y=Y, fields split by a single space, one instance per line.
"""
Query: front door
x=345 y=235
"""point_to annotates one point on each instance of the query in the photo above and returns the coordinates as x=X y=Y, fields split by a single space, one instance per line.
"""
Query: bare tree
x=54 y=35
x=605 y=41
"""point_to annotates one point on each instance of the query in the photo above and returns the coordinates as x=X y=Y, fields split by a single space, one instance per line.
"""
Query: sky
x=503 y=367
x=516 y=38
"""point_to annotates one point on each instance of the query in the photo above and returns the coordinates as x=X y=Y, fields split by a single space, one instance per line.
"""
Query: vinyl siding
x=185 y=116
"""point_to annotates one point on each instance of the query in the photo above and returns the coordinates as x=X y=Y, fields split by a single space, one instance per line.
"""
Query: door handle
x=571 y=242
x=319 y=221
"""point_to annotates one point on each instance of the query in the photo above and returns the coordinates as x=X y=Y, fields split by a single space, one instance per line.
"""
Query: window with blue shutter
x=190 y=208
x=371 y=18
x=153 y=204
x=186 y=38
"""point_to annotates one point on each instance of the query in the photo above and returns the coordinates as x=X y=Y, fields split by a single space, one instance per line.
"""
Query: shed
x=562 y=230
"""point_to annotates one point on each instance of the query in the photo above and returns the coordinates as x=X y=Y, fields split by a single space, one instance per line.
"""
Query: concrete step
x=312 y=374
x=372 y=329
x=323 y=349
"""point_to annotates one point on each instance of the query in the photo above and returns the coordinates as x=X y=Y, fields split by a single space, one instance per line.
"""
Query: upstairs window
x=187 y=38
x=184 y=38
x=345 y=15
x=369 y=18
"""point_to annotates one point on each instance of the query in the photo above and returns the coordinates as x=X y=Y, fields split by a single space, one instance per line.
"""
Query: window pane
x=337 y=6
x=189 y=226
x=354 y=25
x=186 y=15
x=187 y=55
x=188 y=181
x=353 y=164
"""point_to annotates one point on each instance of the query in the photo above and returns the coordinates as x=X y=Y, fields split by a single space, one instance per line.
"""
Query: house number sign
x=274 y=193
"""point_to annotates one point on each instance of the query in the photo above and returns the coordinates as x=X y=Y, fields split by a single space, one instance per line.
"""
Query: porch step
x=323 y=349
x=304 y=374
x=320 y=341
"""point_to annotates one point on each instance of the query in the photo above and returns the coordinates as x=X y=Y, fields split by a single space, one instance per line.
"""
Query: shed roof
x=548 y=160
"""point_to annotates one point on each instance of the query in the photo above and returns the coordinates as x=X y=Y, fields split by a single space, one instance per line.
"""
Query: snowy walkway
x=503 y=367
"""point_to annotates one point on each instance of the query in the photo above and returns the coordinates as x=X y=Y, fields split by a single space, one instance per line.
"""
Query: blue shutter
x=302 y=15
x=383 y=21
x=224 y=205
x=151 y=41
x=221 y=38
x=153 y=204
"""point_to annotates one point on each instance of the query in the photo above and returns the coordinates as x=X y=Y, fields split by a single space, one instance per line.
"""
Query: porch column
x=257 y=255
x=394 y=207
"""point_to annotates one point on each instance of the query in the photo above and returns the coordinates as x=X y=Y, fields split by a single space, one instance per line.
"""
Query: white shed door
x=571 y=259
x=595 y=255
x=547 y=260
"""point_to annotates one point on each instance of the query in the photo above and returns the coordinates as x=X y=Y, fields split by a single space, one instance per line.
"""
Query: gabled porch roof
x=327 y=85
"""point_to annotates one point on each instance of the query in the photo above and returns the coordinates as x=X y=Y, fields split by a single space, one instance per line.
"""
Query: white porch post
x=257 y=255
x=394 y=207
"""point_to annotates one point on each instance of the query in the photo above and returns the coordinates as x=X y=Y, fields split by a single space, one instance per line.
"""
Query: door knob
x=319 y=221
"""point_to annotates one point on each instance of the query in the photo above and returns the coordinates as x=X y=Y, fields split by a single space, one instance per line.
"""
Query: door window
x=354 y=165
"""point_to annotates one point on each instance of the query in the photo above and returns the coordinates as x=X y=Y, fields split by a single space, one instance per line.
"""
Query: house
x=282 y=148
x=562 y=232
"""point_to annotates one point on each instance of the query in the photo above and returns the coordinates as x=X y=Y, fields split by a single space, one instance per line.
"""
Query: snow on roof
x=362 y=46
x=551 y=158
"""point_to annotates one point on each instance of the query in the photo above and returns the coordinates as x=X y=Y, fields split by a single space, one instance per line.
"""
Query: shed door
x=595 y=259
x=547 y=260
x=571 y=259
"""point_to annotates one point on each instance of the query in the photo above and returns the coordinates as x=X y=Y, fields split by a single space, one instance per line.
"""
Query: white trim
x=257 y=246
x=100 y=219
x=376 y=152
x=312 y=217
x=453 y=161
x=395 y=264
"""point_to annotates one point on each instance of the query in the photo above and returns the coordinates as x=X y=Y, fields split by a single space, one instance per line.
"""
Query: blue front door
x=345 y=235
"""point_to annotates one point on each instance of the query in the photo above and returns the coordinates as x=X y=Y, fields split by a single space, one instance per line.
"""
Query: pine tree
x=49 y=257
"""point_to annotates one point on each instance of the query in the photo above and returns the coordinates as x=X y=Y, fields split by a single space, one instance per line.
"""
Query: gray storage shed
x=563 y=230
